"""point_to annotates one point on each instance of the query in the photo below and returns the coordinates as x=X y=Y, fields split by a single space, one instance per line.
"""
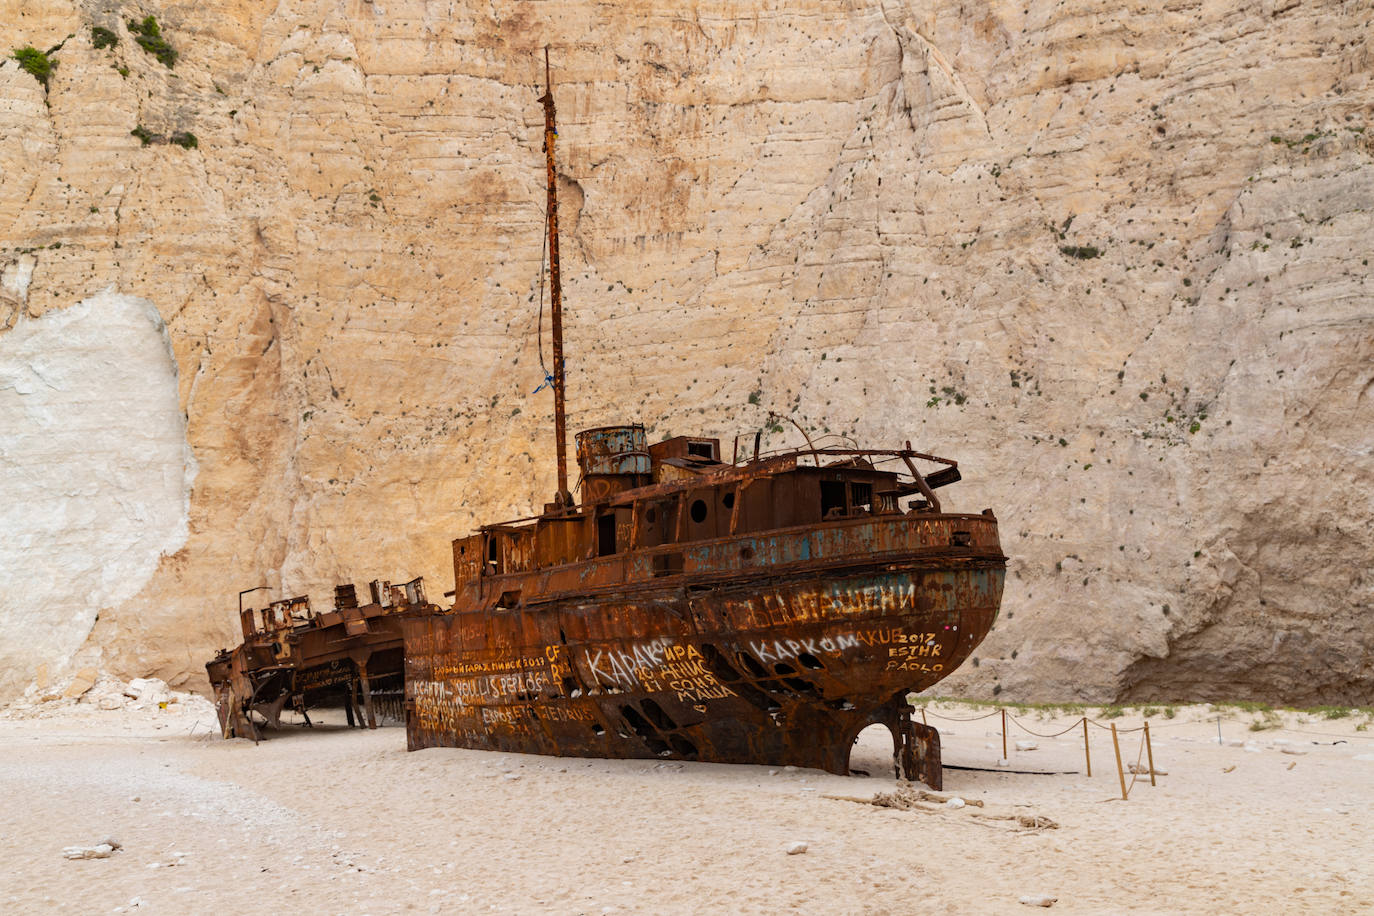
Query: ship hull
x=763 y=667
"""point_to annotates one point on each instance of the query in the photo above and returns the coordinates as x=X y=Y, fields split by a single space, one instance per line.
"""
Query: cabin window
x=509 y=599
x=832 y=497
x=493 y=555
x=698 y=510
x=728 y=500
x=605 y=535
x=861 y=496
x=701 y=450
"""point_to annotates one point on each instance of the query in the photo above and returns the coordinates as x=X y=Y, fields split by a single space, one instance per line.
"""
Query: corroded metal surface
x=758 y=613
x=292 y=656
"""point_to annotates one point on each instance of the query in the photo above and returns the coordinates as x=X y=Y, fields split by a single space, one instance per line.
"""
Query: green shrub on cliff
x=103 y=38
x=148 y=34
x=35 y=63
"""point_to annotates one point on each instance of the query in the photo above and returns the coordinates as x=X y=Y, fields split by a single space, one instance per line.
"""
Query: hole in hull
x=873 y=751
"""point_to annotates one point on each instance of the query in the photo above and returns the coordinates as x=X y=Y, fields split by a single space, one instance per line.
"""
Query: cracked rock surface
x=1114 y=261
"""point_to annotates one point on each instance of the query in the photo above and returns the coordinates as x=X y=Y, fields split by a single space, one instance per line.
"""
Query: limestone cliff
x=1114 y=260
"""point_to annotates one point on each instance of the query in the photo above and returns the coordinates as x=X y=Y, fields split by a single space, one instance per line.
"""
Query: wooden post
x=1087 y=754
x=923 y=716
x=1149 y=753
x=1121 y=774
x=1004 y=734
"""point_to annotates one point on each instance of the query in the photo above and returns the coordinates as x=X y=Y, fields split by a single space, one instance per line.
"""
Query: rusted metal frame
x=680 y=523
x=861 y=453
x=932 y=559
x=361 y=659
x=921 y=484
x=810 y=446
x=771 y=466
x=738 y=507
x=637 y=524
x=930 y=550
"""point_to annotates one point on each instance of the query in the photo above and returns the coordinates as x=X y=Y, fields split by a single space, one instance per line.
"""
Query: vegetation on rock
x=35 y=63
x=148 y=34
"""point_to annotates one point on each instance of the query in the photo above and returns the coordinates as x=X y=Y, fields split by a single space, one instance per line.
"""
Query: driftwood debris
x=909 y=799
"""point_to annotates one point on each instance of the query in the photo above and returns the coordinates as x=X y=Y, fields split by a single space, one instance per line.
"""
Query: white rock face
x=97 y=473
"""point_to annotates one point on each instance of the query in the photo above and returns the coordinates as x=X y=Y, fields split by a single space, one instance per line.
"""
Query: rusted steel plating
x=757 y=613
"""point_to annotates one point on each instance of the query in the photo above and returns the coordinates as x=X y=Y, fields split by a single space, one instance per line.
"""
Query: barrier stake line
x=1087 y=754
x=1121 y=774
x=1149 y=753
x=1004 y=734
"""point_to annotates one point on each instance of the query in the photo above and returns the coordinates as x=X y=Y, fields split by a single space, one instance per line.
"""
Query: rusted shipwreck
x=756 y=612
x=763 y=610
x=293 y=657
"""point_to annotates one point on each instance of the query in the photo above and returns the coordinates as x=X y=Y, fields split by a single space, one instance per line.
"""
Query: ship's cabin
x=640 y=497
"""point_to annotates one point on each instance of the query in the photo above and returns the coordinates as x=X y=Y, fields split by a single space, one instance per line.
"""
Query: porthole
x=698 y=510
x=728 y=500
x=651 y=516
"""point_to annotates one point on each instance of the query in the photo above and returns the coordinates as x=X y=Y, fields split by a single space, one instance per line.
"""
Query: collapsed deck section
x=294 y=657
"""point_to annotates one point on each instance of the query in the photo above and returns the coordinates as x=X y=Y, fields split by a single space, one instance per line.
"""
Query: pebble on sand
x=796 y=848
x=1142 y=770
x=100 y=851
x=1038 y=900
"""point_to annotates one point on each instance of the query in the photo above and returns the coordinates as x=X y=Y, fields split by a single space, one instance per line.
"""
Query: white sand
x=346 y=821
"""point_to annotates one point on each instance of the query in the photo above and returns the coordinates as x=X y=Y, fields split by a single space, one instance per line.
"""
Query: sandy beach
x=338 y=820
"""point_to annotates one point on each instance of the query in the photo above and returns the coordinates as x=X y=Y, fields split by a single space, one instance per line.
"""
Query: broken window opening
x=605 y=535
x=702 y=450
x=832 y=499
x=861 y=496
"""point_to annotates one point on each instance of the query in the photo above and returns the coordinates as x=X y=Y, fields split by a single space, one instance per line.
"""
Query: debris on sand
x=102 y=850
x=1141 y=770
x=907 y=798
x=1038 y=900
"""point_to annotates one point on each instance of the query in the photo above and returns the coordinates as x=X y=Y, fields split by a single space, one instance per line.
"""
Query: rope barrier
x=1142 y=750
x=1134 y=774
x=954 y=719
x=1119 y=731
x=1037 y=734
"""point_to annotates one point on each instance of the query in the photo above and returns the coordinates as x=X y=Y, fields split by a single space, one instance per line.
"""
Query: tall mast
x=564 y=498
